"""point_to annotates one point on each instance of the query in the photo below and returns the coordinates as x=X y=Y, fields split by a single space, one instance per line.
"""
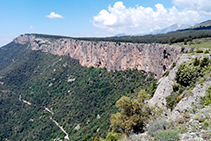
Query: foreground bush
x=133 y=115
x=166 y=135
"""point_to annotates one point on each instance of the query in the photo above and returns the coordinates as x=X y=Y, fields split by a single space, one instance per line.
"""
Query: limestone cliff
x=113 y=56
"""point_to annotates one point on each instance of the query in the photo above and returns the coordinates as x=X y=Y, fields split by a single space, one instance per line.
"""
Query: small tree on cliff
x=133 y=115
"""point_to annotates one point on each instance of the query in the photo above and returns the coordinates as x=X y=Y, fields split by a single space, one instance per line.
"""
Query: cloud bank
x=201 y=6
x=139 y=19
x=53 y=15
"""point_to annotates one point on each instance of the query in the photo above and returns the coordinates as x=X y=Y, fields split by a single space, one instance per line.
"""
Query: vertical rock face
x=146 y=57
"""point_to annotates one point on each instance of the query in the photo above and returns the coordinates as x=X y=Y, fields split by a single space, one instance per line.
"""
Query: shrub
x=170 y=100
x=133 y=115
x=173 y=65
x=175 y=87
x=206 y=51
x=199 y=51
x=153 y=89
x=207 y=98
x=166 y=73
x=206 y=124
x=204 y=62
x=187 y=74
x=158 y=124
x=166 y=135
x=112 y=136
x=196 y=62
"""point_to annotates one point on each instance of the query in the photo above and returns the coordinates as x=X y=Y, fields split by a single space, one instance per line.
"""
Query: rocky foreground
x=190 y=118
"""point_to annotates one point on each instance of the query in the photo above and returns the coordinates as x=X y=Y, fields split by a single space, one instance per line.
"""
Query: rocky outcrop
x=113 y=56
x=165 y=84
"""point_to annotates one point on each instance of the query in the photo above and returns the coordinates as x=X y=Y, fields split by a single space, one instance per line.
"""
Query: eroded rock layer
x=113 y=56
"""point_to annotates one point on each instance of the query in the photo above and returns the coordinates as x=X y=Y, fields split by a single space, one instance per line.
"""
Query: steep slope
x=10 y=52
x=113 y=56
x=41 y=94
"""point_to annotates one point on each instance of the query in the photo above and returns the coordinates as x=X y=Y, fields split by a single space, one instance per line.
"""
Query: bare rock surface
x=113 y=56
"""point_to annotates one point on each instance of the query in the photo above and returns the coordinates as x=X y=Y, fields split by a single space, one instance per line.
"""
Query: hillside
x=54 y=87
x=203 y=24
x=38 y=86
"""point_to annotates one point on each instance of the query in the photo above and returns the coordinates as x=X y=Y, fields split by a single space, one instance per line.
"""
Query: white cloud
x=31 y=27
x=53 y=15
x=134 y=20
x=201 y=6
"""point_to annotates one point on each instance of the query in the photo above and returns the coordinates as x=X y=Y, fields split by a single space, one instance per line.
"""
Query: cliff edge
x=114 y=56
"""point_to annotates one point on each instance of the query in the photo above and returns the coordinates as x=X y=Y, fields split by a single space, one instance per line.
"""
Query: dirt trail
x=48 y=110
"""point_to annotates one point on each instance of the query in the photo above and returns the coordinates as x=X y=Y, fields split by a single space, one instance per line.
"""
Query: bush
x=133 y=115
x=204 y=62
x=166 y=73
x=166 y=135
x=199 y=51
x=187 y=74
x=112 y=136
x=173 y=65
x=153 y=89
x=207 y=98
x=158 y=124
x=171 y=100
x=206 y=51
x=175 y=87
x=196 y=62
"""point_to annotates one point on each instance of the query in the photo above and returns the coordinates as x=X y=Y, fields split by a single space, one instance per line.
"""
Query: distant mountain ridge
x=203 y=24
x=173 y=27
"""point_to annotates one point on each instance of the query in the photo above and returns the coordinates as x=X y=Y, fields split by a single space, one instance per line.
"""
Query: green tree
x=133 y=115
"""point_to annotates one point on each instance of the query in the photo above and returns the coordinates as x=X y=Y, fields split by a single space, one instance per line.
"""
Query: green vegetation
x=196 y=43
x=157 y=125
x=169 y=38
x=181 y=36
x=206 y=51
x=196 y=62
x=166 y=135
x=133 y=115
x=199 y=51
x=173 y=65
x=207 y=98
x=42 y=79
x=175 y=87
x=84 y=96
x=153 y=89
x=10 y=53
x=166 y=73
x=112 y=136
x=187 y=74
x=171 y=100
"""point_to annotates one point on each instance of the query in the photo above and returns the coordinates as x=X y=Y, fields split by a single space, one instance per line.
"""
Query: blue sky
x=98 y=18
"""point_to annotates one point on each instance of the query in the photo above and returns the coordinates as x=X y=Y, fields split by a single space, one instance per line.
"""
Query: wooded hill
x=76 y=95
